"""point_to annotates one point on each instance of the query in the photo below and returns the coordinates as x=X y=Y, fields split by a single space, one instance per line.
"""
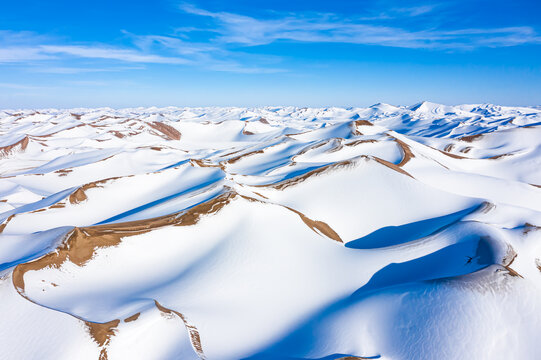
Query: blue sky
x=250 y=53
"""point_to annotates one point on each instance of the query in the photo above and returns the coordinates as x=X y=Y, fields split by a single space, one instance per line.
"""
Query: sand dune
x=271 y=233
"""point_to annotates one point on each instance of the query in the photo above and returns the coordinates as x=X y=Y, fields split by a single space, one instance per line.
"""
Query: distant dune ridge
x=271 y=233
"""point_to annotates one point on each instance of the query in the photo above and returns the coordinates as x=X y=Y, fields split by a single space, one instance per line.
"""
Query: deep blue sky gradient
x=251 y=53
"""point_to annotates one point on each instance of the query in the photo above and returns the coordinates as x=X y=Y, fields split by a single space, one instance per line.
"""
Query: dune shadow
x=394 y=235
x=472 y=254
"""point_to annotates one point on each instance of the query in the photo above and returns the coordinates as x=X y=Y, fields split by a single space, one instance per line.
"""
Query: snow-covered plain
x=271 y=233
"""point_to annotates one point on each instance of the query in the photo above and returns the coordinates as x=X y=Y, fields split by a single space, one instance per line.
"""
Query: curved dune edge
x=82 y=242
x=406 y=151
x=168 y=131
x=20 y=145
x=299 y=179
x=195 y=339
x=318 y=226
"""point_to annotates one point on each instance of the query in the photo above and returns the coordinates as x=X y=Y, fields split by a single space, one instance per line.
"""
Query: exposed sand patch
x=299 y=179
x=195 y=339
x=392 y=166
x=170 y=132
x=101 y=334
x=363 y=123
x=132 y=318
x=318 y=226
x=237 y=158
x=79 y=195
x=406 y=151
x=358 y=142
x=471 y=138
x=508 y=260
x=5 y=223
x=18 y=146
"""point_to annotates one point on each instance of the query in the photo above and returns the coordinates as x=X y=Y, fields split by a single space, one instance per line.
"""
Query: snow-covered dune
x=271 y=233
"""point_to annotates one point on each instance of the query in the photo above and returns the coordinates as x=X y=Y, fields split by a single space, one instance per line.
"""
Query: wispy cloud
x=242 y=30
x=211 y=56
x=17 y=86
x=81 y=70
x=38 y=52
x=145 y=49
x=94 y=52
x=15 y=54
x=414 y=10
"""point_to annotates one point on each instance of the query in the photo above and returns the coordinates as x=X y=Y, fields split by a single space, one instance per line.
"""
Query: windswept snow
x=271 y=233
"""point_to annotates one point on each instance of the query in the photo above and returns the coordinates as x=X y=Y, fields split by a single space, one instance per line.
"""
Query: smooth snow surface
x=271 y=233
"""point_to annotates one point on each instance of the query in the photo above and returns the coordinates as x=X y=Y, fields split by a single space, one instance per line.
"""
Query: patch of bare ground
x=392 y=166
x=360 y=141
x=407 y=154
x=336 y=145
x=79 y=195
x=299 y=179
x=132 y=318
x=317 y=226
x=105 y=117
x=309 y=148
x=538 y=264
x=170 y=132
x=118 y=134
x=5 y=223
x=63 y=172
x=499 y=156
x=195 y=339
x=454 y=156
x=101 y=333
x=246 y=132
x=508 y=259
x=528 y=228
x=487 y=207
x=237 y=158
x=56 y=132
x=205 y=163
x=354 y=125
x=363 y=123
x=18 y=146
x=470 y=138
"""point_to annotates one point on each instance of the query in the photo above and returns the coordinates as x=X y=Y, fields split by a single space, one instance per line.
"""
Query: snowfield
x=271 y=233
